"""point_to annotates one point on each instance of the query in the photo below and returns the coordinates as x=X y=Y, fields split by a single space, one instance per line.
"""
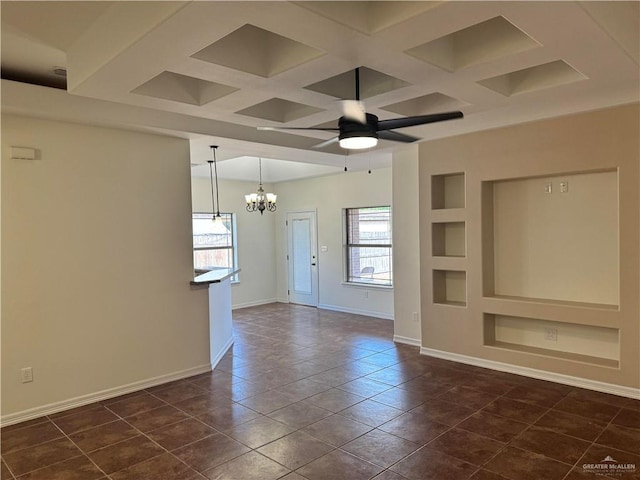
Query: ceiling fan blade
x=326 y=143
x=354 y=110
x=396 y=136
x=417 y=120
x=278 y=129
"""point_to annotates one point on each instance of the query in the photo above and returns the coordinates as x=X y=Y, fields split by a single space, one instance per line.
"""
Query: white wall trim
x=534 y=373
x=63 y=405
x=222 y=353
x=357 y=311
x=416 y=342
x=254 y=304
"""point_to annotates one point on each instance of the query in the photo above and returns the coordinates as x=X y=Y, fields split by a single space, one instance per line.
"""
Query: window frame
x=234 y=242
x=347 y=247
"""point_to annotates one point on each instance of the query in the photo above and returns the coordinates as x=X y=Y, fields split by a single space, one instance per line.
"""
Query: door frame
x=314 y=247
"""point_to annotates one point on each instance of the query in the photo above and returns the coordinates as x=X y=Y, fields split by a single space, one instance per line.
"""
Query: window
x=368 y=245
x=214 y=243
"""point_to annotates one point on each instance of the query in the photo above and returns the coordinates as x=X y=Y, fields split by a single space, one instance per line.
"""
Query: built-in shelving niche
x=448 y=239
x=447 y=191
x=552 y=239
x=450 y=287
x=569 y=341
x=551 y=248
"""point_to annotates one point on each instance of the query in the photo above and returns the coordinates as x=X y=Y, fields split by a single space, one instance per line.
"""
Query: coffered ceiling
x=214 y=71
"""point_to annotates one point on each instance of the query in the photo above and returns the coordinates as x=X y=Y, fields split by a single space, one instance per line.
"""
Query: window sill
x=367 y=286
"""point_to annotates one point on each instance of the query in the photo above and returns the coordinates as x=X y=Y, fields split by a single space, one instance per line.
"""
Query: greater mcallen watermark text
x=609 y=466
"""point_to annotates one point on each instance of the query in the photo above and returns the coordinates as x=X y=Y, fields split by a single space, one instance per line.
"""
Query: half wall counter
x=220 y=316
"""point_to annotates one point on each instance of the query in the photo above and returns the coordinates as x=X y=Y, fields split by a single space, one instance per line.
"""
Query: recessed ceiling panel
x=479 y=43
x=329 y=124
x=257 y=51
x=184 y=89
x=534 y=78
x=368 y=17
x=279 y=110
x=372 y=83
x=432 y=103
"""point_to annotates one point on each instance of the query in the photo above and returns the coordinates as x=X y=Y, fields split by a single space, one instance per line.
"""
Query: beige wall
x=406 y=245
x=592 y=142
x=96 y=263
x=256 y=239
x=329 y=195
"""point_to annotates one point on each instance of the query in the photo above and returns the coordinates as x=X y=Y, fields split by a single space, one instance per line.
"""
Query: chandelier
x=261 y=201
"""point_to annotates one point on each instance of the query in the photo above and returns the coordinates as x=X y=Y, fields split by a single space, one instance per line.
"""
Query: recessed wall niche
x=449 y=239
x=584 y=343
x=447 y=191
x=450 y=287
x=553 y=238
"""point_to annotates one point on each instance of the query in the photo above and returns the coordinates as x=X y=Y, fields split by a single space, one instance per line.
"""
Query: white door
x=302 y=256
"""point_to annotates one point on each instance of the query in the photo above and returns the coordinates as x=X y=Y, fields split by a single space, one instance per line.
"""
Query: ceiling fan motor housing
x=350 y=128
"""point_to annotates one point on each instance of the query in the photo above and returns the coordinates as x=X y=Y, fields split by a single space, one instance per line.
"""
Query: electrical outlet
x=26 y=374
x=551 y=334
x=564 y=186
x=415 y=317
x=366 y=294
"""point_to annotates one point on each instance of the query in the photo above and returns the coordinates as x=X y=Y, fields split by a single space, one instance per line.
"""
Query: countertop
x=214 y=276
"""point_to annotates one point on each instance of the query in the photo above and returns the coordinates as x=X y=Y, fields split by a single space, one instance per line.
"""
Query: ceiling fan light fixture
x=358 y=143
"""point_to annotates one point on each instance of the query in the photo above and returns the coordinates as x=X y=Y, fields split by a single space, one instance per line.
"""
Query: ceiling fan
x=358 y=129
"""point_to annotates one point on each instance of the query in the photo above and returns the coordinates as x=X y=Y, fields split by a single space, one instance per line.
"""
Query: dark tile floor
x=319 y=395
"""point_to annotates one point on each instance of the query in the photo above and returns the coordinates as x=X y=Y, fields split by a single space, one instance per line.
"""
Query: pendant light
x=216 y=213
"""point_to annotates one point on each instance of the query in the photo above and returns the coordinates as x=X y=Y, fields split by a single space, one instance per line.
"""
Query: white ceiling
x=213 y=71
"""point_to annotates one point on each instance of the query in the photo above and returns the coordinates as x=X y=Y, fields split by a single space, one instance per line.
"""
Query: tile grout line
x=594 y=442
x=79 y=449
x=528 y=427
x=9 y=468
x=506 y=444
x=190 y=416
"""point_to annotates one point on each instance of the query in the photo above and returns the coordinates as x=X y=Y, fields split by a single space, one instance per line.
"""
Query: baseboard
x=253 y=304
x=221 y=354
x=416 y=342
x=534 y=373
x=56 y=407
x=336 y=308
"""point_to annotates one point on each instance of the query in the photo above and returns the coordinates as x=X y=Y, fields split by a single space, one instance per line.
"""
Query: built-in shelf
x=449 y=263
x=448 y=239
x=568 y=341
x=577 y=313
x=561 y=303
x=603 y=362
x=448 y=215
x=450 y=287
x=452 y=303
x=447 y=191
